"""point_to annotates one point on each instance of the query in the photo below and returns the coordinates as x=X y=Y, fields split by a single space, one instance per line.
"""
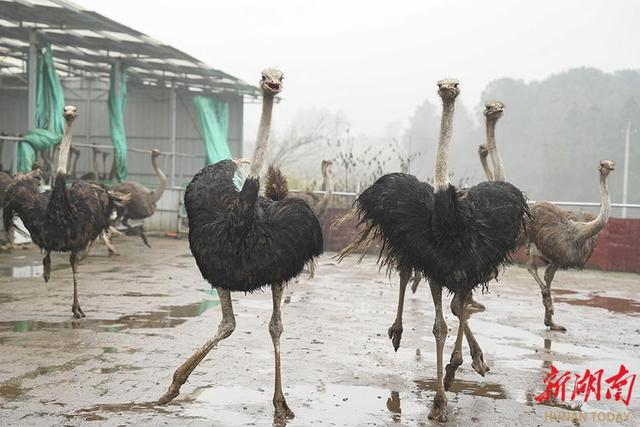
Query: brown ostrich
x=143 y=201
x=563 y=239
x=61 y=219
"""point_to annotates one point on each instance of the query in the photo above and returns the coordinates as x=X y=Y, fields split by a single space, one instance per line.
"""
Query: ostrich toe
x=451 y=368
x=439 y=409
x=395 y=334
x=478 y=364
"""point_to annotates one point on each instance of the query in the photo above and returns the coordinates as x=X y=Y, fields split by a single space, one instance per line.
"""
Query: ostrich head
x=606 y=166
x=271 y=81
x=155 y=153
x=493 y=110
x=70 y=113
x=483 y=150
x=448 y=89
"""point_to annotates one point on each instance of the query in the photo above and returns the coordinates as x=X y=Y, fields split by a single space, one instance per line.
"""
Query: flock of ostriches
x=456 y=239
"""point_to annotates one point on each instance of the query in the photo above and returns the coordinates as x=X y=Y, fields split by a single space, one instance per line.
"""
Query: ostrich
x=563 y=239
x=456 y=239
x=143 y=201
x=62 y=219
x=493 y=111
x=243 y=242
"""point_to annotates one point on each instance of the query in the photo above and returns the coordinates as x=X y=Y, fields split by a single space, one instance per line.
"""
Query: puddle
x=333 y=404
x=27 y=271
x=617 y=305
x=471 y=388
x=165 y=317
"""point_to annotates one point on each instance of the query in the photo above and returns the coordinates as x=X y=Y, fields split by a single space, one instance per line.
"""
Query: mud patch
x=617 y=305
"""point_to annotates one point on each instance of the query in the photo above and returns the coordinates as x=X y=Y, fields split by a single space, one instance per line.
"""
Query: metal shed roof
x=87 y=43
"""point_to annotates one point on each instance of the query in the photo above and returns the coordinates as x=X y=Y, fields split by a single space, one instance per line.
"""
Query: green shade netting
x=48 y=115
x=117 y=103
x=214 y=121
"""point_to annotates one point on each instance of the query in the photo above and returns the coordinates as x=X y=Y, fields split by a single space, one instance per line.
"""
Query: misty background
x=360 y=83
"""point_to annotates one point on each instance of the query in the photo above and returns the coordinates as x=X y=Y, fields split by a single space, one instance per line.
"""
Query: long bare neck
x=96 y=165
x=496 y=160
x=486 y=168
x=327 y=184
x=65 y=146
x=591 y=228
x=262 y=140
x=76 y=156
x=442 y=156
x=161 y=176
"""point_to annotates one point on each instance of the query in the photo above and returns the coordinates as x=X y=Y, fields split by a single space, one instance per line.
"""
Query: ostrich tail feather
x=275 y=184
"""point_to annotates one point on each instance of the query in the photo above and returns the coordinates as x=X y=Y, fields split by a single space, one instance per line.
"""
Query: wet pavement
x=148 y=309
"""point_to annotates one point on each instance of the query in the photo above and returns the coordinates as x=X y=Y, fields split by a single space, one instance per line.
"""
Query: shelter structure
x=93 y=56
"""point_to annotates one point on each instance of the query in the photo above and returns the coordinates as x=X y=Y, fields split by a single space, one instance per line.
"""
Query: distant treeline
x=551 y=137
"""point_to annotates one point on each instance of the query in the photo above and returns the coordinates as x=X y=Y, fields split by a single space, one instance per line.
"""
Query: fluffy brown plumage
x=143 y=201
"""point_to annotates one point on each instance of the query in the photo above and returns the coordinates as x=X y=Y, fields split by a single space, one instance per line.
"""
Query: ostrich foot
x=555 y=327
x=77 y=312
x=476 y=306
x=439 y=409
x=282 y=410
x=478 y=364
x=172 y=393
x=395 y=334
x=113 y=253
x=451 y=368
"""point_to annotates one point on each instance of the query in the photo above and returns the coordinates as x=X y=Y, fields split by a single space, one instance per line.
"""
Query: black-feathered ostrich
x=62 y=219
x=243 y=242
x=456 y=239
x=563 y=239
x=493 y=111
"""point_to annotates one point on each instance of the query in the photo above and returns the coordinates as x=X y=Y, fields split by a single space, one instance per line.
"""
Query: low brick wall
x=618 y=247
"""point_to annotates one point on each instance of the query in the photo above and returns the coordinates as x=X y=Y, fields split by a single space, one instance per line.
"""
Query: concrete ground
x=148 y=309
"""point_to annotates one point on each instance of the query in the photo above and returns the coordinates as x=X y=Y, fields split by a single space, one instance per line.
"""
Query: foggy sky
x=376 y=61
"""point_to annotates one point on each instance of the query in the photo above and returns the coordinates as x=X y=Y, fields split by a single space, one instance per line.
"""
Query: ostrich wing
x=396 y=211
x=243 y=242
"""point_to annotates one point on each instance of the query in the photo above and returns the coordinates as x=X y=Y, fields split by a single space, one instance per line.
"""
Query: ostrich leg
x=439 y=409
x=46 y=266
x=476 y=352
x=225 y=328
x=548 y=316
x=282 y=411
x=545 y=289
x=459 y=309
x=75 y=307
x=136 y=232
x=475 y=305
x=417 y=277
x=395 y=331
